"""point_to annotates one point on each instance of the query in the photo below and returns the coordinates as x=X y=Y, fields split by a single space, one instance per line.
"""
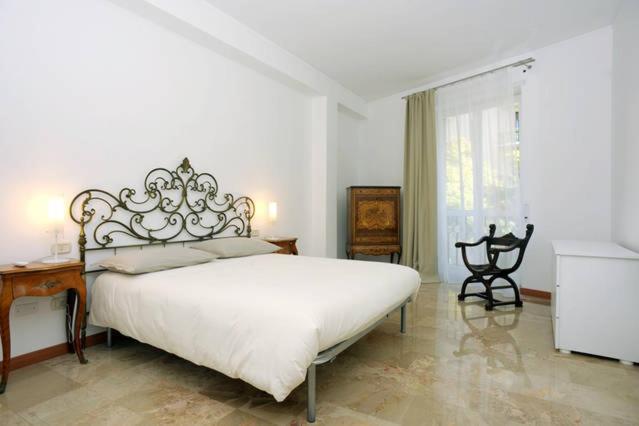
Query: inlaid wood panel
x=374 y=221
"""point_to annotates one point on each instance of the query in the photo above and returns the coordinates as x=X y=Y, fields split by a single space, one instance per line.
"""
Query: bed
x=267 y=319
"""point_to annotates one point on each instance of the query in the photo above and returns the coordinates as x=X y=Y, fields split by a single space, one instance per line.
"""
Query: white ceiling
x=380 y=47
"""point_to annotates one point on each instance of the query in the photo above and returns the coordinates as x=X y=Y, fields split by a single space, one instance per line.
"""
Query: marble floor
x=458 y=364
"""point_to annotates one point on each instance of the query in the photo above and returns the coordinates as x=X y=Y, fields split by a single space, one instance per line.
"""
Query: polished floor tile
x=31 y=385
x=457 y=365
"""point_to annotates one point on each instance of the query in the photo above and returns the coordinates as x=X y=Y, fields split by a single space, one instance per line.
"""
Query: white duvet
x=262 y=319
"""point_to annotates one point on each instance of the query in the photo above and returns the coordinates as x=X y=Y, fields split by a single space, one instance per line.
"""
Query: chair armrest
x=463 y=244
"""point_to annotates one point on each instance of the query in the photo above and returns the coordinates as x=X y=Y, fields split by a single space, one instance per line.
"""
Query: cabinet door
x=376 y=216
x=597 y=306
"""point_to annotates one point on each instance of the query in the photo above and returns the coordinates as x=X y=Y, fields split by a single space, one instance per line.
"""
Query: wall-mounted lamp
x=55 y=211
x=272 y=211
x=55 y=215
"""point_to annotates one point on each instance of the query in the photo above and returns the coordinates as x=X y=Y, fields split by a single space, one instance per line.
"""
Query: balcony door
x=478 y=163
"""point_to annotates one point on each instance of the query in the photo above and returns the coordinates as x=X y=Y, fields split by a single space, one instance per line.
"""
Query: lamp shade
x=272 y=211
x=55 y=210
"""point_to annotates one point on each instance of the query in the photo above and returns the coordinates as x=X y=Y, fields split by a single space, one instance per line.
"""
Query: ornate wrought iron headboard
x=183 y=204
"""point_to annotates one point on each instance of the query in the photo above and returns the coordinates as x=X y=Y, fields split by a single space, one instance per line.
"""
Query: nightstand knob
x=50 y=284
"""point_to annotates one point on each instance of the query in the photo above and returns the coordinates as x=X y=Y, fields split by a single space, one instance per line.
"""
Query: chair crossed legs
x=489 y=272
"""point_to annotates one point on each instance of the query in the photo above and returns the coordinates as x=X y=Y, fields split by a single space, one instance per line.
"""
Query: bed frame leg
x=310 y=394
x=109 y=338
x=402 y=326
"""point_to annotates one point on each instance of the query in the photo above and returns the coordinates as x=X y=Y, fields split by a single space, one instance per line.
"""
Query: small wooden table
x=39 y=279
x=287 y=244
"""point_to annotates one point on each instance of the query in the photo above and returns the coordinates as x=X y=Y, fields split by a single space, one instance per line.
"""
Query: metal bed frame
x=324 y=357
x=189 y=208
x=331 y=353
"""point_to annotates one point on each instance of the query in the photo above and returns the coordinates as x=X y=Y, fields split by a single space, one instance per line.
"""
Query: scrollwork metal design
x=178 y=205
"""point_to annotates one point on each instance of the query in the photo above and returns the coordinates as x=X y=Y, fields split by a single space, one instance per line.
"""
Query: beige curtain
x=419 y=237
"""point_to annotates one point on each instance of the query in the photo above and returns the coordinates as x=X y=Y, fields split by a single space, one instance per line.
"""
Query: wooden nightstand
x=287 y=244
x=39 y=279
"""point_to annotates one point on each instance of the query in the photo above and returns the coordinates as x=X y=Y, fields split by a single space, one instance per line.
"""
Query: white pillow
x=236 y=247
x=140 y=262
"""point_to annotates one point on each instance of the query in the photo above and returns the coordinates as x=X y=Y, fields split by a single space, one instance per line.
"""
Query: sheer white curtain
x=478 y=163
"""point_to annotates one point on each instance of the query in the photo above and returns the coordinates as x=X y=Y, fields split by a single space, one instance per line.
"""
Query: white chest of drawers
x=595 y=308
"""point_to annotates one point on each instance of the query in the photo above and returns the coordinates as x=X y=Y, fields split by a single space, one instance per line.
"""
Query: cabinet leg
x=6 y=345
x=79 y=320
x=392 y=258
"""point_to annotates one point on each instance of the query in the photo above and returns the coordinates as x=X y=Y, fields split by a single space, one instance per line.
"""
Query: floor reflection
x=492 y=332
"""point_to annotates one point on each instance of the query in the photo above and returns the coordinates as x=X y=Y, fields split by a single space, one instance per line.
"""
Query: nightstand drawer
x=287 y=244
x=287 y=248
x=43 y=284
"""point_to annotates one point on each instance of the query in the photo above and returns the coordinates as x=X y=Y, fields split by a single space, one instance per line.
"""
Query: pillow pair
x=235 y=247
x=144 y=261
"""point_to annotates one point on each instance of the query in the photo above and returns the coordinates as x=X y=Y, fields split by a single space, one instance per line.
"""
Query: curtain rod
x=514 y=64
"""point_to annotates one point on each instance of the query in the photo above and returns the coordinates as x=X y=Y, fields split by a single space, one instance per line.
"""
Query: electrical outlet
x=58 y=303
x=255 y=232
x=25 y=309
x=63 y=247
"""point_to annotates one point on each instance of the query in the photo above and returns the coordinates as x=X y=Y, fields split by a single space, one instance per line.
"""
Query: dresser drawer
x=375 y=191
x=43 y=284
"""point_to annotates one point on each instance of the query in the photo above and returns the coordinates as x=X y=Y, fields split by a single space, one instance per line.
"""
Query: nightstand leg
x=71 y=302
x=6 y=344
x=79 y=319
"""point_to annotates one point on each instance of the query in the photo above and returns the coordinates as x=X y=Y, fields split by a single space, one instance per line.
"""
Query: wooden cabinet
x=373 y=221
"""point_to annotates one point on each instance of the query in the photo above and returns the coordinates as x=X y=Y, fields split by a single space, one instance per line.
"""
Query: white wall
x=566 y=148
x=350 y=135
x=566 y=173
x=324 y=177
x=95 y=96
x=382 y=149
x=202 y=23
x=625 y=219
x=384 y=143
